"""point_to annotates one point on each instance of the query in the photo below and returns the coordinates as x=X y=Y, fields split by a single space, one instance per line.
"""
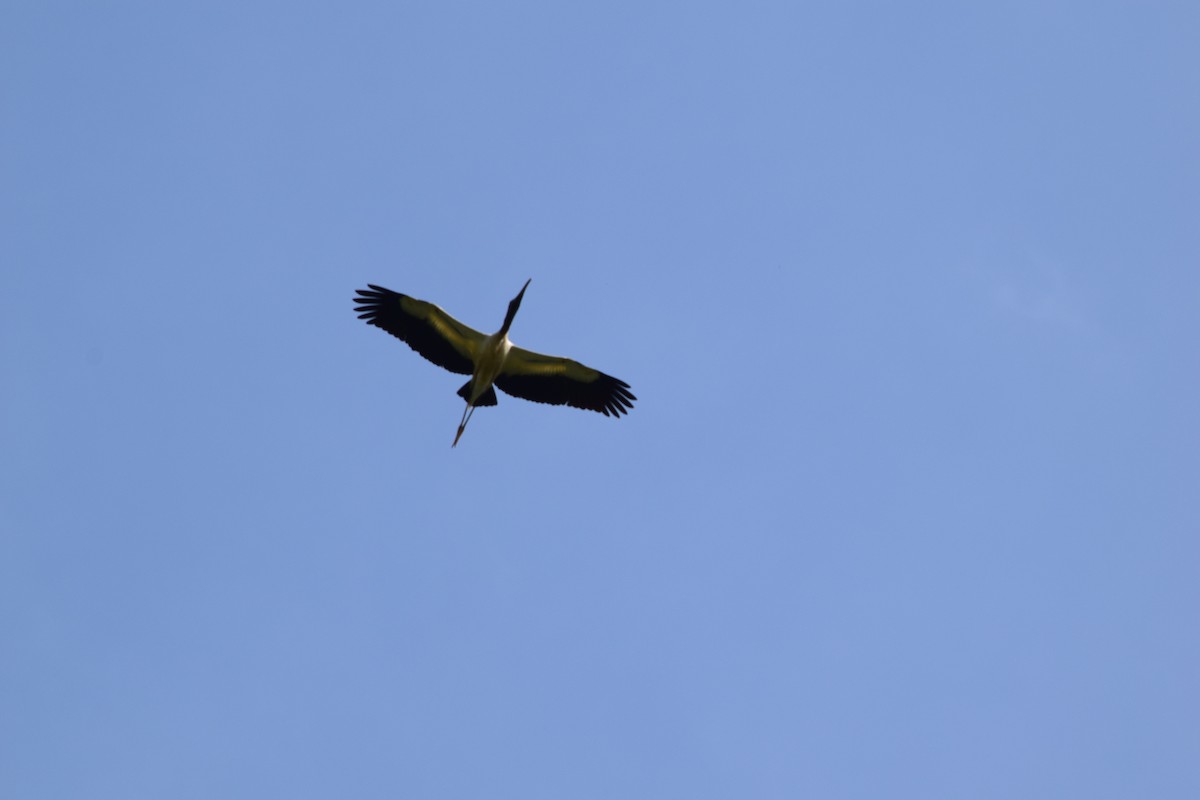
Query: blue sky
x=907 y=507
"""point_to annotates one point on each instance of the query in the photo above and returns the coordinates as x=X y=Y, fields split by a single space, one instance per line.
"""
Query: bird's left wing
x=423 y=326
x=561 y=381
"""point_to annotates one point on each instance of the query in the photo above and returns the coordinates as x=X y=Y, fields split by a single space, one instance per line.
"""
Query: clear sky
x=909 y=506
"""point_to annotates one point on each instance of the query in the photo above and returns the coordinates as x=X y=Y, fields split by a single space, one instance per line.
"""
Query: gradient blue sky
x=909 y=506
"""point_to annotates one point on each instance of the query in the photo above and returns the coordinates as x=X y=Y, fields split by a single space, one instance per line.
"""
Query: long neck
x=510 y=316
x=513 y=305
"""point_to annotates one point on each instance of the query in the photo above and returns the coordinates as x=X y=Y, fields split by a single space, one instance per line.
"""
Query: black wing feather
x=416 y=323
x=603 y=393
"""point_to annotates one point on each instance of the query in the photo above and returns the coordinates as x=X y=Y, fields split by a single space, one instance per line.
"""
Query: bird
x=491 y=361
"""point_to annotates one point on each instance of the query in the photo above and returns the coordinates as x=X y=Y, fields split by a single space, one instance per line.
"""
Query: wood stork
x=491 y=361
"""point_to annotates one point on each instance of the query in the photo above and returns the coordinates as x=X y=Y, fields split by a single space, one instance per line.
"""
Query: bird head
x=513 y=305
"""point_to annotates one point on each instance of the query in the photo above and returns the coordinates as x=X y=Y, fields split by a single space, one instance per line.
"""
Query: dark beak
x=513 y=306
x=521 y=293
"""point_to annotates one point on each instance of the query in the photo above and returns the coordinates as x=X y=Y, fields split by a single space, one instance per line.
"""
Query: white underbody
x=493 y=352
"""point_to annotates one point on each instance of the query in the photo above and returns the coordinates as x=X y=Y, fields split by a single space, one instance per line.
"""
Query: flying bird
x=491 y=361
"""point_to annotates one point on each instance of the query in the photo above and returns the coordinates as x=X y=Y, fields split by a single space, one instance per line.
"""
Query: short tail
x=488 y=398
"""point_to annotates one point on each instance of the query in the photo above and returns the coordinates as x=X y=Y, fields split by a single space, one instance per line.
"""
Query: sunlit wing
x=423 y=326
x=561 y=381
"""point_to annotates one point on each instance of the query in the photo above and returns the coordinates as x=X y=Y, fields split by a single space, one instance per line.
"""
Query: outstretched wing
x=561 y=381
x=422 y=326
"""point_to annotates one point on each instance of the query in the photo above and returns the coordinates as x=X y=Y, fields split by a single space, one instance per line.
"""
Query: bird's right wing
x=563 y=381
x=423 y=326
